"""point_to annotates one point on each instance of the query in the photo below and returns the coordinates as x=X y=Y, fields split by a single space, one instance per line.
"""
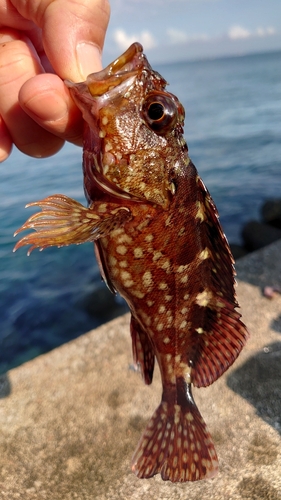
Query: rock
x=257 y=235
x=237 y=251
x=271 y=212
x=102 y=304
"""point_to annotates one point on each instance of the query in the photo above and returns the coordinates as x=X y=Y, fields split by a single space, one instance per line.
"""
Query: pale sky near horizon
x=189 y=29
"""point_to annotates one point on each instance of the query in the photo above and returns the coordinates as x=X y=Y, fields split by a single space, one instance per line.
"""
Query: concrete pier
x=70 y=419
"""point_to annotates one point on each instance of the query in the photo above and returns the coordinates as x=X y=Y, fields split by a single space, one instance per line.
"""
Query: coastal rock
x=271 y=212
x=237 y=251
x=103 y=305
x=257 y=235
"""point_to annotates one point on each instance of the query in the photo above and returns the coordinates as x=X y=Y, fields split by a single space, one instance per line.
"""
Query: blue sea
x=233 y=130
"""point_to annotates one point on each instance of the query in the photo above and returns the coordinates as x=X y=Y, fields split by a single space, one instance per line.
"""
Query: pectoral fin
x=64 y=221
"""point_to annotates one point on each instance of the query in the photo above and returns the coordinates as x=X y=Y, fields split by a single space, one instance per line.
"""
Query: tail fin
x=176 y=444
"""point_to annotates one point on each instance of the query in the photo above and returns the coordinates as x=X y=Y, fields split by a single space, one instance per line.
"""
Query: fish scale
x=159 y=243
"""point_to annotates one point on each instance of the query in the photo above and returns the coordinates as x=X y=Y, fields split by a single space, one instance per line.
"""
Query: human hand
x=43 y=42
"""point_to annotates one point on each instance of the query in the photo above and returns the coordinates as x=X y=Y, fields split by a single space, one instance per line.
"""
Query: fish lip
x=132 y=59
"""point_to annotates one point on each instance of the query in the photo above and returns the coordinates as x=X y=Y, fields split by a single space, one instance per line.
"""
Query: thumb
x=72 y=32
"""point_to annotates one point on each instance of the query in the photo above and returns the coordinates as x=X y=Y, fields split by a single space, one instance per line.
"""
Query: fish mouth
x=121 y=69
x=110 y=79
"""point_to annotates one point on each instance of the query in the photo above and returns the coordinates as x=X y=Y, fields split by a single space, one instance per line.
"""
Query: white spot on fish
x=168 y=220
x=204 y=298
x=104 y=120
x=157 y=255
x=147 y=279
x=219 y=304
x=102 y=207
x=142 y=225
x=137 y=294
x=125 y=275
x=128 y=283
x=124 y=238
x=115 y=232
x=169 y=321
x=205 y=254
x=123 y=263
x=166 y=266
x=189 y=417
x=121 y=249
x=200 y=211
x=168 y=298
x=181 y=269
x=138 y=253
x=149 y=238
x=146 y=318
x=112 y=261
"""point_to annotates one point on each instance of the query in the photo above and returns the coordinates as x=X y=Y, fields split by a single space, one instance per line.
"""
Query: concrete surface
x=70 y=420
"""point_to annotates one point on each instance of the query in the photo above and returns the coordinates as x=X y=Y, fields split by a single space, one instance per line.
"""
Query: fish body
x=160 y=245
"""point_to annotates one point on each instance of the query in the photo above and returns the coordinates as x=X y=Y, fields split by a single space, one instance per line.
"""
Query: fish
x=160 y=245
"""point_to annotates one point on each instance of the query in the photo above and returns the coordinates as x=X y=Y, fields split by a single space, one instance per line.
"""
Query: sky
x=174 y=30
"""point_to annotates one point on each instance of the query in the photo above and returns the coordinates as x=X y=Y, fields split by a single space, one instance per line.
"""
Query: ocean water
x=233 y=130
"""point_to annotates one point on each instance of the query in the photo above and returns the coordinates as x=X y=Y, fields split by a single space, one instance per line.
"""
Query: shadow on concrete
x=259 y=381
x=276 y=324
x=5 y=386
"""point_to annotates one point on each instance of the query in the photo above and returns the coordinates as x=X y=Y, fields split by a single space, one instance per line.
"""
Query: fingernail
x=88 y=58
x=8 y=37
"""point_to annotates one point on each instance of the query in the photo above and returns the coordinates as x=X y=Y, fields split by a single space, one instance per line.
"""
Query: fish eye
x=160 y=112
x=156 y=111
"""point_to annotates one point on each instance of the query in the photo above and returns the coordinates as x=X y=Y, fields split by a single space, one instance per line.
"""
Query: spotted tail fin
x=176 y=444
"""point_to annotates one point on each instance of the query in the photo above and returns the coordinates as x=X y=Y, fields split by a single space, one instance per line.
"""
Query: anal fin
x=143 y=352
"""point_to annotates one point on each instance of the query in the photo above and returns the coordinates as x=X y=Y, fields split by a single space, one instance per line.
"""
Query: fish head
x=133 y=142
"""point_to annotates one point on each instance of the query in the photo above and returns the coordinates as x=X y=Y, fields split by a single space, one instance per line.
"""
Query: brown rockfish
x=159 y=244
